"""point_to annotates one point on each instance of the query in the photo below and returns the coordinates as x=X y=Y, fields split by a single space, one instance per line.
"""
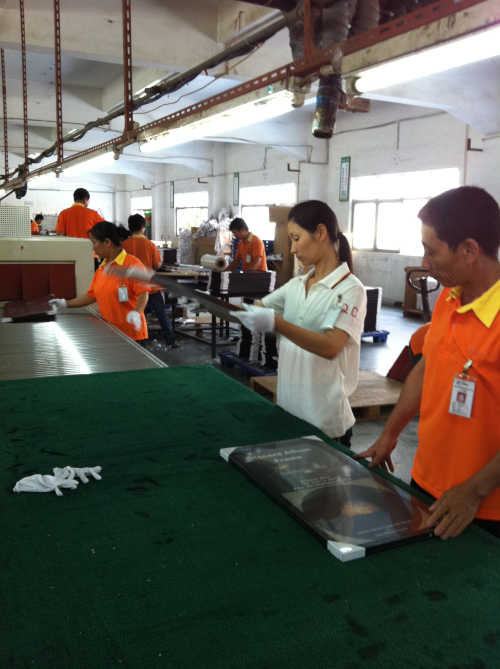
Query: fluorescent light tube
x=456 y=53
x=230 y=118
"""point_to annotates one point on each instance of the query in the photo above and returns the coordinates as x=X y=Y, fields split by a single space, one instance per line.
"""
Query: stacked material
x=242 y=284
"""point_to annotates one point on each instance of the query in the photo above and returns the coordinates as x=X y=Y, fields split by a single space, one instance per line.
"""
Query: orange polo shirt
x=141 y=247
x=250 y=249
x=417 y=339
x=104 y=289
x=35 y=230
x=77 y=220
x=452 y=448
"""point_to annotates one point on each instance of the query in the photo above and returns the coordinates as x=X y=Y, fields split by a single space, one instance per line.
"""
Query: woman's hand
x=256 y=319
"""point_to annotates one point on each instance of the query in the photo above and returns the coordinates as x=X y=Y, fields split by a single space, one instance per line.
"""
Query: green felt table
x=176 y=560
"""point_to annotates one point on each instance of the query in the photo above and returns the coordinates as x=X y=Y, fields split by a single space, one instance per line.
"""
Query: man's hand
x=380 y=452
x=454 y=510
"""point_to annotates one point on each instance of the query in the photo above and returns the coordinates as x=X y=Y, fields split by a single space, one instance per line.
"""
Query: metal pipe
x=4 y=99
x=58 y=78
x=127 y=66
x=25 y=83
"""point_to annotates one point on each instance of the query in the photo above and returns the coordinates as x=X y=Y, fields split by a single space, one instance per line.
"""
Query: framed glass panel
x=363 y=225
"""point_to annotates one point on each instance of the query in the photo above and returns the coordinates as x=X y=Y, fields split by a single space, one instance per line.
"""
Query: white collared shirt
x=309 y=386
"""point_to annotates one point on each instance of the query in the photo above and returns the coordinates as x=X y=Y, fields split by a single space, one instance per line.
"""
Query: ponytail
x=106 y=230
x=345 y=254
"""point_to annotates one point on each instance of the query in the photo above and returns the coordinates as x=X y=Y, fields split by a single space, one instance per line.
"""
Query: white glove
x=65 y=478
x=57 y=303
x=134 y=318
x=256 y=319
x=131 y=272
x=82 y=472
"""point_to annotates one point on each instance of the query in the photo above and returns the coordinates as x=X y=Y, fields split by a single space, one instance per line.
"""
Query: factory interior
x=135 y=386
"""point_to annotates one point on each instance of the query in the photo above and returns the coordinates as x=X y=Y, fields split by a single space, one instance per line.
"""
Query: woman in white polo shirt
x=320 y=317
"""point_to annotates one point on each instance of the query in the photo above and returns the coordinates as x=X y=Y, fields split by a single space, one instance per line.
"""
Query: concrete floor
x=376 y=357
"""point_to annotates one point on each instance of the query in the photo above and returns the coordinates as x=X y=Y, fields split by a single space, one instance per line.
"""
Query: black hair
x=39 y=217
x=310 y=214
x=106 y=230
x=81 y=194
x=238 y=224
x=136 y=222
x=465 y=212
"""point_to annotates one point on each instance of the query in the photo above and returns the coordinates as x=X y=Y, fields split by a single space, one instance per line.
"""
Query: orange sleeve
x=238 y=251
x=91 y=291
x=60 y=225
x=258 y=249
x=156 y=256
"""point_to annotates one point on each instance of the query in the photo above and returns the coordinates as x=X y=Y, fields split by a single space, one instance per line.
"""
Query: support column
x=217 y=190
x=160 y=227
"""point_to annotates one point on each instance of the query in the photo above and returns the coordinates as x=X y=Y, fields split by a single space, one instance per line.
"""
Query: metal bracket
x=290 y=169
x=469 y=146
x=202 y=182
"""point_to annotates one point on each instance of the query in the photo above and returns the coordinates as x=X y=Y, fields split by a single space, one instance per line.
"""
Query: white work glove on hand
x=57 y=303
x=256 y=319
x=134 y=318
x=131 y=272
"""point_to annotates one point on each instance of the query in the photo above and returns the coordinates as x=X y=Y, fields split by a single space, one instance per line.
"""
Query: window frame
x=377 y=202
x=177 y=231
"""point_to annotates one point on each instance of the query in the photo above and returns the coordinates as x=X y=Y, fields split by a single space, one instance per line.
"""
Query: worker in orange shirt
x=121 y=301
x=77 y=220
x=455 y=384
x=251 y=253
x=36 y=224
x=144 y=249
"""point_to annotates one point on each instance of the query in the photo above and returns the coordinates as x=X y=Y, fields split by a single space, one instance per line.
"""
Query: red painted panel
x=35 y=280
x=10 y=282
x=62 y=280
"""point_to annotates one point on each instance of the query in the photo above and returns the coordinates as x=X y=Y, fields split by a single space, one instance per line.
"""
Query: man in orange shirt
x=456 y=383
x=77 y=220
x=35 y=225
x=251 y=253
x=139 y=246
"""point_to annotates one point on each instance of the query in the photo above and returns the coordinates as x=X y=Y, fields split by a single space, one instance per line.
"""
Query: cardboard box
x=284 y=269
x=201 y=246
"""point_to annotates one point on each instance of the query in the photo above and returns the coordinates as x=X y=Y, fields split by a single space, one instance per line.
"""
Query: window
x=385 y=208
x=191 y=210
x=256 y=200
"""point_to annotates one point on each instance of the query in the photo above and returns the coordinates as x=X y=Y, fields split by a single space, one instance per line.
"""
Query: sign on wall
x=236 y=189
x=345 y=178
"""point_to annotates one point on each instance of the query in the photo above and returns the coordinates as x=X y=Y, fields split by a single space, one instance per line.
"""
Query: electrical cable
x=153 y=93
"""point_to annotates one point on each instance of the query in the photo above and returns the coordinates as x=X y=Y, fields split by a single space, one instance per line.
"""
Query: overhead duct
x=332 y=23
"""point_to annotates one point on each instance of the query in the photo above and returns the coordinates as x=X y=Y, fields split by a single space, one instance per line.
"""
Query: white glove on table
x=63 y=477
x=81 y=472
x=134 y=318
x=57 y=303
x=256 y=319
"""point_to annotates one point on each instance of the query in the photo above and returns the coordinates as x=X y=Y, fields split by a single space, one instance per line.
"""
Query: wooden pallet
x=374 y=392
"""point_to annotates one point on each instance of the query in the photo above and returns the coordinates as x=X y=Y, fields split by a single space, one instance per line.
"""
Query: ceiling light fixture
x=250 y=108
x=455 y=53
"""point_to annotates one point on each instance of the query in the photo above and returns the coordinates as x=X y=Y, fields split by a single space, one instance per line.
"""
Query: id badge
x=122 y=294
x=462 y=396
x=248 y=258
